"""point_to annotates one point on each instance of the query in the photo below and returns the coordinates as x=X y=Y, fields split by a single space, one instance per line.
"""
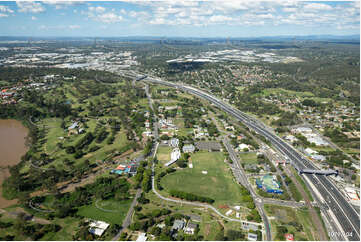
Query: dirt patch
x=71 y=187
x=223 y=206
x=207 y=229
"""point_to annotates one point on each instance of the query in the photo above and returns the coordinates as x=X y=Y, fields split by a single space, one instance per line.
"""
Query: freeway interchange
x=347 y=221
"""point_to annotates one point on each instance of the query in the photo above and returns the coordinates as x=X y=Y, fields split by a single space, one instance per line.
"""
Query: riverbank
x=12 y=147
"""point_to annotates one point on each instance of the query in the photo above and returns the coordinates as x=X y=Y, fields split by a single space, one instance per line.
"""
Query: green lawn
x=302 y=182
x=163 y=154
x=248 y=158
x=218 y=183
x=119 y=211
x=276 y=91
x=69 y=226
x=285 y=215
x=185 y=131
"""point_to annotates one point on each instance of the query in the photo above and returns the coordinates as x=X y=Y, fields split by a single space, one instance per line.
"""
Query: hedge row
x=190 y=196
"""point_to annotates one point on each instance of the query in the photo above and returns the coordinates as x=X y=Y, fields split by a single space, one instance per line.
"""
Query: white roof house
x=73 y=126
x=310 y=151
x=243 y=146
x=174 y=142
x=190 y=228
x=142 y=237
x=303 y=130
x=252 y=237
x=98 y=227
x=318 y=157
x=178 y=224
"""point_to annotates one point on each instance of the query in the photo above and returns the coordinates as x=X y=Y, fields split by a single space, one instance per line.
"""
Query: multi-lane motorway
x=347 y=217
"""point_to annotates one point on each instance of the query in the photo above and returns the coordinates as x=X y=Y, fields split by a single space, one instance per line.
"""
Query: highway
x=347 y=217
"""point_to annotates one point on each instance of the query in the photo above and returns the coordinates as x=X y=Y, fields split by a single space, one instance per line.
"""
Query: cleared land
x=297 y=221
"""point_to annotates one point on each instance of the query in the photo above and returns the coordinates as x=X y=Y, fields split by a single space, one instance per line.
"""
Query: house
x=177 y=225
x=98 y=227
x=310 y=151
x=229 y=212
x=249 y=226
x=291 y=138
x=147 y=123
x=188 y=148
x=142 y=237
x=302 y=130
x=190 y=228
x=250 y=167
x=243 y=146
x=174 y=142
x=318 y=157
x=252 y=237
x=289 y=237
x=73 y=126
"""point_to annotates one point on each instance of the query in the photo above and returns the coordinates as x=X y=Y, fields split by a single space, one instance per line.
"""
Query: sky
x=187 y=18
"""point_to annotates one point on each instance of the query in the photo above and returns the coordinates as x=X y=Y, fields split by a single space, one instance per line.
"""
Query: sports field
x=217 y=184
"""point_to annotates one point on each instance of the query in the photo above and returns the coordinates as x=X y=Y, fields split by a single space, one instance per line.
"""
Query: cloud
x=33 y=18
x=109 y=18
x=287 y=9
x=317 y=6
x=5 y=9
x=97 y=9
x=30 y=7
x=100 y=14
x=62 y=4
x=158 y=21
x=74 y=27
x=219 y=19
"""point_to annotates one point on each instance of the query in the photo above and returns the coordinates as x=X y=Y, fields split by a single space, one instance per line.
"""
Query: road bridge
x=319 y=172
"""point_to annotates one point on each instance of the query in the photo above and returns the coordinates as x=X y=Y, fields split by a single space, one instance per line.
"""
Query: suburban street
x=241 y=177
x=128 y=218
x=154 y=150
x=347 y=217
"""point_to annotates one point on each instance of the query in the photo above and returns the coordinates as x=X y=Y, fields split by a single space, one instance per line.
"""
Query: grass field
x=248 y=158
x=276 y=91
x=163 y=154
x=68 y=229
x=217 y=184
x=300 y=180
x=119 y=209
x=286 y=215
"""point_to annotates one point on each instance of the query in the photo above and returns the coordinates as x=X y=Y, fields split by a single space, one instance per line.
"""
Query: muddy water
x=12 y=147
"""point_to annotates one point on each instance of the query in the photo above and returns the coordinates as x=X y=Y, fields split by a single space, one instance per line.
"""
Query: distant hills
x=337 y=38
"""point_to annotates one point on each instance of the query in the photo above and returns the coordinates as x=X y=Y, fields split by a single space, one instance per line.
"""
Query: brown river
x=12 y=147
